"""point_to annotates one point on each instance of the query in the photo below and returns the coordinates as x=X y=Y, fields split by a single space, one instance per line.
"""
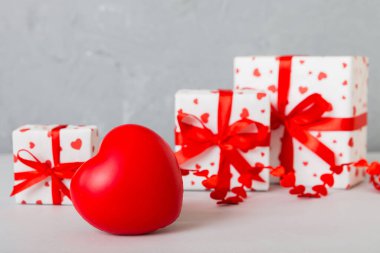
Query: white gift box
x=342 y=81
x=203 y=104
x=34 y=144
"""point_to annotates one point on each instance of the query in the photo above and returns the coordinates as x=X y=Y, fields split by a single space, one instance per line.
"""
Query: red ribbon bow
x=307 y=116
x=244 y=135
x=42 y=170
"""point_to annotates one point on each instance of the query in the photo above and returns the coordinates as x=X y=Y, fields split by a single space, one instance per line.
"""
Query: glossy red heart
x=132 y=186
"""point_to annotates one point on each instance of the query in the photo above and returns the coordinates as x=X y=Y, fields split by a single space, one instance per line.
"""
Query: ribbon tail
x=224 y=177
x=58 y=190
x=26 y=184
x=286 y=153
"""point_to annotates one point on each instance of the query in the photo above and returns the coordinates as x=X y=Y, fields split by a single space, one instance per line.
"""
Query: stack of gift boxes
x=300 y=118
x=315 y=109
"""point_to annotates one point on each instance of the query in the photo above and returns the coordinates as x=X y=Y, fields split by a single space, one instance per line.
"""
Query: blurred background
x=109 y=62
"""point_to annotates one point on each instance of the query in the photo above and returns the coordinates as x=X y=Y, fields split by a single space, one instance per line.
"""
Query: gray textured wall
x=109 y=62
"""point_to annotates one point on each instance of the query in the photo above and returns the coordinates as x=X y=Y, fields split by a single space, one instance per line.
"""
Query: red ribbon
x=306 y=116
x=42 y=170
x=244 y=135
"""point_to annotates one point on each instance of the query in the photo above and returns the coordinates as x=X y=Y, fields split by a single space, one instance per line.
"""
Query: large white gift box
x=322 y=102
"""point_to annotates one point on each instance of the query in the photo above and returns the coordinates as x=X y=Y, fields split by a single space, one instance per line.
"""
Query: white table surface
x=346 y=221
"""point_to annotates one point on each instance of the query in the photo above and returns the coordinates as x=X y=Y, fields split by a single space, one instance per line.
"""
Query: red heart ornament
x=132 y=186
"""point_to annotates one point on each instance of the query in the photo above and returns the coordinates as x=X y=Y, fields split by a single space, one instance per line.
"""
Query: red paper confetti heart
x=210 y=182
x=299 y=189
x=77 y=144
x=321 y=189
x=246 y=180
x=204 y=117
x=328 y=179
x=278 y=171
x=337 y=169
x=288 y=180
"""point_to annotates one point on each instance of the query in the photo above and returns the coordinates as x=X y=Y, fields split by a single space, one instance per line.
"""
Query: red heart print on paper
x=302 y=89
x=345 y=82
x=204 y=117
x=256 y=72
x=31 y=145
x=344 y=65
x=77 y=144
x=272 y=88
x=351 y=142
x=322 y=75
x=261 y=95
x=195 y=101
x=244 y=113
